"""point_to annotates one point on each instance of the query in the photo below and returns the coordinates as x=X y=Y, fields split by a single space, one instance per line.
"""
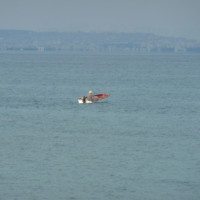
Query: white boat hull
x=80 y=101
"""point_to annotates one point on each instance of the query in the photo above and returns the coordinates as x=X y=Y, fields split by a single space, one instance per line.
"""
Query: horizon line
x=99 y=32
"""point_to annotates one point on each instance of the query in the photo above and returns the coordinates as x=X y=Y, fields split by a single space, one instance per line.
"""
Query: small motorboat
x=95 y=98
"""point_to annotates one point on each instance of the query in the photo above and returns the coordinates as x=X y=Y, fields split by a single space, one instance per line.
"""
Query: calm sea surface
x=142 y=143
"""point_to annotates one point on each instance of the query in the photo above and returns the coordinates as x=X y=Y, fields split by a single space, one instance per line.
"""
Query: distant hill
x=20 y=40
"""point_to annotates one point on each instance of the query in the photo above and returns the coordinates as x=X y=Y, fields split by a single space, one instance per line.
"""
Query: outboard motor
x=83 y=98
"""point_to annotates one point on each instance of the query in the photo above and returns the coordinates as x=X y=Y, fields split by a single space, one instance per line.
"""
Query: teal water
x=141 y=143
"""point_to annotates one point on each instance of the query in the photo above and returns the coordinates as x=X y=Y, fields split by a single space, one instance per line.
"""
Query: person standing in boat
x=89 y=96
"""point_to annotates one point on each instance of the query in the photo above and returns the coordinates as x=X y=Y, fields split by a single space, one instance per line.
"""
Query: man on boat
x=89 y=96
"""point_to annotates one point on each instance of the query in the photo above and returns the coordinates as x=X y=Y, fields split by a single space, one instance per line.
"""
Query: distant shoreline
x=106 y=42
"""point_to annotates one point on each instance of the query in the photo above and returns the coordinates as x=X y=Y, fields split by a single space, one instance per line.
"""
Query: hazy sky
x=163 y=17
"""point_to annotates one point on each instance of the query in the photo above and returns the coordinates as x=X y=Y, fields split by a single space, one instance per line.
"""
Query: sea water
x=141 y=143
